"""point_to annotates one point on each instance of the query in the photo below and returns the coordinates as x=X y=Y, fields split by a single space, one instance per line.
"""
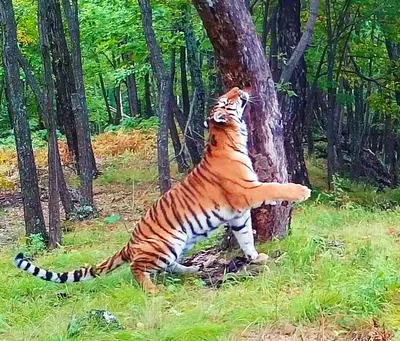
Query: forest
x=103 y=106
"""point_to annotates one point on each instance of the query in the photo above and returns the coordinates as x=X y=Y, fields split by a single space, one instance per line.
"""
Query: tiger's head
x=229 y=109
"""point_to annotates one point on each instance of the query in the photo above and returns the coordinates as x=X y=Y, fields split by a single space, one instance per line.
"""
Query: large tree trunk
x=242 y=63
x=34 y=221
x=164 y=95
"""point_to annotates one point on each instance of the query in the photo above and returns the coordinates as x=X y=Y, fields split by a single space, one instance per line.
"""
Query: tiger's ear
x=220 y=117
x=207 y=123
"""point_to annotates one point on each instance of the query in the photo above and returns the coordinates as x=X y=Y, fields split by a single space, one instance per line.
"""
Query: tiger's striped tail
x=78 y=275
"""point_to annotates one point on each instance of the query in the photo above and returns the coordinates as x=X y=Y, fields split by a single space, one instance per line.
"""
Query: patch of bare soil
x=113 y=199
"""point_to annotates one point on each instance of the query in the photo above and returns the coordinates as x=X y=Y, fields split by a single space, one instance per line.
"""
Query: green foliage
x=129 y=123
x=112 y=219
x=285 y=88
x=140 y=123
x=34 y=245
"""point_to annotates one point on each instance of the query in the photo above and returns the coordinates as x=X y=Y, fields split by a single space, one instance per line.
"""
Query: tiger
x=221 y=189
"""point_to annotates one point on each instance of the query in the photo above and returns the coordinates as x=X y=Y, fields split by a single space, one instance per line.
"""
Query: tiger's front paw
x=297 y=192
x=262 y=258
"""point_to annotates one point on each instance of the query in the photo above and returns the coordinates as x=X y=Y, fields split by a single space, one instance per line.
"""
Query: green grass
x=126 y=169
x=340 y=263
x=348 y=283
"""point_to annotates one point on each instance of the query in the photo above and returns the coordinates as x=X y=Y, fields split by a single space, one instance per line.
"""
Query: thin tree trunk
x=179 y=154
x=53 y=157
x=265 y=29
x=242 y=63
x=118 y=105
x=33 y=214
x=393 y=50
x=330 y=128
x=81 y=117
x=309 y=118
x=297 y=55
x=62 y=71
x=197 y=123
x=184 y=82
x=60 y=56
x=40 y=97
x=105 y=96
x=164 y=90
x=274 y=49
x=131 y=88
x=293 y=107
x=214 y=82
x=147 y=96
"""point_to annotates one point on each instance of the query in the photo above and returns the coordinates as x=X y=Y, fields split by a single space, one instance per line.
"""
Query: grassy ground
x=337 y=278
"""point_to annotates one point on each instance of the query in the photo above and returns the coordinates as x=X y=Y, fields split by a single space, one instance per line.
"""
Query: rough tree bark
x=81 y=116
x=105 y=96
x=293 y=107
x=131 y=87
x=265 y=28
x=147 y=96
x=164 y=91
x=184 y=82
x=33 y=214
x=65 y=77
x=393 y=50
x=197 y=123
x=65 y=195
x=64 y=82
x=48 y=111
x=179 y=154
x=214 y=81
x=242 y=63
x=331 y=113
x=118 y=105
x=296 y=55
x=274 y=48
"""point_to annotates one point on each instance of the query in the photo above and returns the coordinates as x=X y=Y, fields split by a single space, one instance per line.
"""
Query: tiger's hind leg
x=182 y=269
x=243 y=231
x=143 y=278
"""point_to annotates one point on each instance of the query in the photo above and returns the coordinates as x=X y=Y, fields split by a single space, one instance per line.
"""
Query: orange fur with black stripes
x=221 y=189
